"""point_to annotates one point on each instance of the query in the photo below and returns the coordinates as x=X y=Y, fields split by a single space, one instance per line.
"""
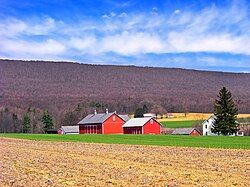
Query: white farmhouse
x=207 y=128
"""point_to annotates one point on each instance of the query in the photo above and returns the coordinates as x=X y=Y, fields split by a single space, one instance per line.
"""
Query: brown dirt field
x=40 y=163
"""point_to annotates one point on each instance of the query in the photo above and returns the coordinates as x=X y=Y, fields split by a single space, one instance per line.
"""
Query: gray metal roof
x=70 y=129
x=124 y=117
x=99 y=118
x=183 y=131
x=136 y=122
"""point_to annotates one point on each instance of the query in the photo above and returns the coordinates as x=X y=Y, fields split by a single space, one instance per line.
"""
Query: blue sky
x=193 y=34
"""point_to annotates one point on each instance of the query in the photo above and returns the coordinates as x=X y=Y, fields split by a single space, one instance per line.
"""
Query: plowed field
x=41 y=163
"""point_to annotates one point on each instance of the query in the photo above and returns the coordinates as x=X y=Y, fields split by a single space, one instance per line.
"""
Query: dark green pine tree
x=145 y=109
x=26 y=123
x=47 y=121
x=14 y=120
x=139 y=113
x=225 y=112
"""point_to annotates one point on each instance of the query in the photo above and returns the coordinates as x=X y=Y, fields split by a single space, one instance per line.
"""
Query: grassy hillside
x=161 y=140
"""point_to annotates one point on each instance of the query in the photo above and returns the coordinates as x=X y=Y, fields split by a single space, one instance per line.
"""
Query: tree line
x=30 y=122
x=36 y=121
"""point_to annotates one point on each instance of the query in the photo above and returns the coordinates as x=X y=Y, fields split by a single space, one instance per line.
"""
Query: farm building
x=102 y=123
x=208 y=124
x=69 y=130
x=142 y=126
x=186 y=131
x=148 y=115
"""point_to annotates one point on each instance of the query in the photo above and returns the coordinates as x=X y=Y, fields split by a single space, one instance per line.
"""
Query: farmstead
x=146 y=125
x=102 y=123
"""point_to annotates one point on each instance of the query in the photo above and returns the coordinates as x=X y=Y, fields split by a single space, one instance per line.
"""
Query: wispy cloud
x=211 y=30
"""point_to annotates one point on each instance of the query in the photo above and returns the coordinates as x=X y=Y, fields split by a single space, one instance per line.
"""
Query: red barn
x=186 y=131
x=102 y=123
x=142 y=126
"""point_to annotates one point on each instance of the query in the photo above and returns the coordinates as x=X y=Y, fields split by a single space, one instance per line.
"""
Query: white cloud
x=155 y=9
x=123 y=14
x=132 y=43
x=48 y=47
x=124 y=44
x=177 y=11
x=105 y=16
x=112 y=14
x=212 y=29
x=86 y=45
x=191 y=42
x=13 y=27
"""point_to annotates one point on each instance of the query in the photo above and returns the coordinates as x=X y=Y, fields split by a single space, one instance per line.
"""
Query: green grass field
x=161 y=140
x=179 y=124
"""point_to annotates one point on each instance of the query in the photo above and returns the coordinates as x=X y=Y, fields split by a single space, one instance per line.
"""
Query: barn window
x=206 y=126
x=206 y=133
x=113 y=118
x=151 y=121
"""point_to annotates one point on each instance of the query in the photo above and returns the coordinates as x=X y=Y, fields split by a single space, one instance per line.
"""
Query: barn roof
x=70 y=129
x=99 y=118
x=124 y=117
x=136 y=122
x=183 y=131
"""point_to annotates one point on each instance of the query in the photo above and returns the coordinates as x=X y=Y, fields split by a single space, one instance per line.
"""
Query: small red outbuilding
x=142 y=126
x=186 y=131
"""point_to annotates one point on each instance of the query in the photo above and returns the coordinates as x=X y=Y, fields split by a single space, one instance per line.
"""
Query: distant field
x=161 y=140
x=181 y=121
x=194 y=116
x=179 y=124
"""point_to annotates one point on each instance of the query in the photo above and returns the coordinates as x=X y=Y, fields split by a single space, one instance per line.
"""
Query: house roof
x=99 y=118
x=149 y=115
x=183 y=131
x=211 y=117
x=70 y=129
x=124 y=117
x=136 y=122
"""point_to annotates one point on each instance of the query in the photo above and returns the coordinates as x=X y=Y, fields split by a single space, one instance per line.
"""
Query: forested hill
x=61 y=86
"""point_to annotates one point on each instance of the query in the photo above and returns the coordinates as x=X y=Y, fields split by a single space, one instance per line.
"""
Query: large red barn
x=102 y=123
x=142 y=126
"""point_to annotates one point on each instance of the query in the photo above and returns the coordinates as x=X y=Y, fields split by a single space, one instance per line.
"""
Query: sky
x=192 y=34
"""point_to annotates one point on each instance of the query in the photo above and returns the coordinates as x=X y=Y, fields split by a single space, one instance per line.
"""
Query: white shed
x=70 y=129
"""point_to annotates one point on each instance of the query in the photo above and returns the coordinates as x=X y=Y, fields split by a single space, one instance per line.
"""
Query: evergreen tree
x=225 y=112
x=145 y=108
x=26 y=123
x=47 y=121
x=139 y=113
x=14 y=120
